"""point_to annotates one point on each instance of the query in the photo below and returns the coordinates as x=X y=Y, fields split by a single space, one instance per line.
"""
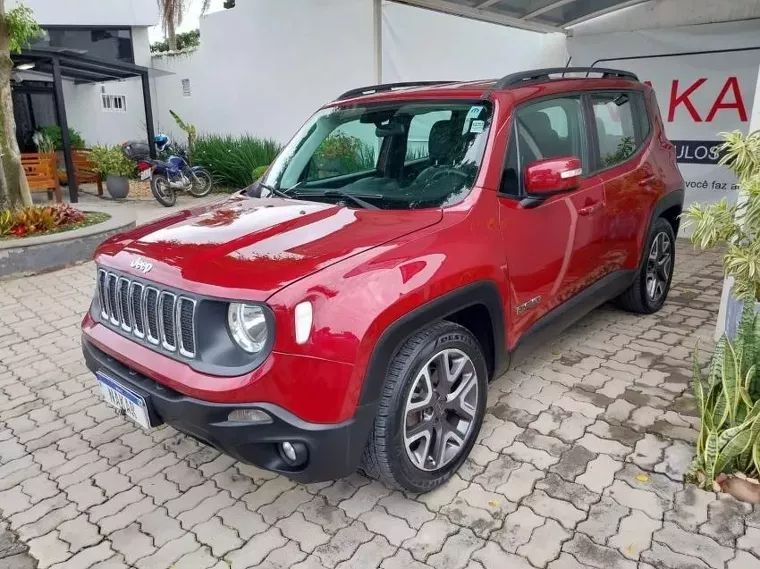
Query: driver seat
x=440 y=149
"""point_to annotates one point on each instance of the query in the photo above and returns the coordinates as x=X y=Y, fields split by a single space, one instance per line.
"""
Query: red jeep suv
x=350 y=307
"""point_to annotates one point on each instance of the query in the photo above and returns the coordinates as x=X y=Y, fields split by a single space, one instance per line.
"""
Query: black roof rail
x=387 y=87
x=516 y=79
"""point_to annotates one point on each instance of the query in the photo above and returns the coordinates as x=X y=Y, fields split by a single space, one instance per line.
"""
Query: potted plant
x=736 y=227
x=115 y=168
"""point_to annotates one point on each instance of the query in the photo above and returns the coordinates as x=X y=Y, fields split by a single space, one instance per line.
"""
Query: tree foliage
x=21 y=27
x=185 y=40
x=172 y=13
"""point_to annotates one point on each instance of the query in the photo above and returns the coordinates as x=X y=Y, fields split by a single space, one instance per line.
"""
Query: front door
x=552 y=250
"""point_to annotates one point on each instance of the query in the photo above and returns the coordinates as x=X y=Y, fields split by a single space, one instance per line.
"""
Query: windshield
x=389 y=155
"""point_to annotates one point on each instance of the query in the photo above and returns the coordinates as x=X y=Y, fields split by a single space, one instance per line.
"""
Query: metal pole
x=148 y=114
x=64 y=125
x=377 y=20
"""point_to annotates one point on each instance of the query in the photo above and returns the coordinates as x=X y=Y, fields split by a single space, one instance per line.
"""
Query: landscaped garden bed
x=39 y=220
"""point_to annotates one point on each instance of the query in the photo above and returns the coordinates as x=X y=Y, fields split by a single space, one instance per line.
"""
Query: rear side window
x=619 y=125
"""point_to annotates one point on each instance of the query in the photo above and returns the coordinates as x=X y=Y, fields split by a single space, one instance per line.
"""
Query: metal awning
x=77 y=66
x=536 y=15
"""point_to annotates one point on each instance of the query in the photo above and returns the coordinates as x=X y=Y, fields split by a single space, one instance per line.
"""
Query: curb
x=32 y=255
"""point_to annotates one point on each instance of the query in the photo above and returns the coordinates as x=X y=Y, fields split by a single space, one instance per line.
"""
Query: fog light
x=289 y=451
x=249 y=416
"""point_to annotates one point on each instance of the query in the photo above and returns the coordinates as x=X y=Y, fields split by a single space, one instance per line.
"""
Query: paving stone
x=203 y=511
x=169 y=553
x=604 y=446
x=283 y=558
x=199 y=559
x=115 y=504
x=48 y=522
x=479 y=520
x=545 y=543
x=220 y=538
x=635 y=534
x=648 y=502
x=600 y=473
x=724 y=521
x=79 y=533
x=517 y=530
x=620 y=409
x=112 y=482
x=603 y=520
x=564 y=512
x=493 y=556
x=546 y=423
x=559 y=488
x=456 y=550
x=538 y=458
x=369 y=555
x=536 y=440
x=126 y=516
x=414 y=513
x=309 y=535
x=191 y=498
x=701 y=546
x=566 y=561
x=38 y=511
x=160 y=527
x=402 y=560
x=430 y=538
x=132 y=543
x=48 y=550
x=443 y=495
x=750 y=541
x=573 y=462
x=648 y=451
x=87 y=557
x=690 y=507
x=660 y=555
x=331 y=518
x=743 y=560
x=591 y=554
x=502 y=436
x=85 y=495
x=343 y=544
x=286 y=503
x=676 y=460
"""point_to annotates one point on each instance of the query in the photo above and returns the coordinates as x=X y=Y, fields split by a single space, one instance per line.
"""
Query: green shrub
x=259 y=171
x=341 y=154
x=729 y=406
x=53 y=133
x=110 y=161
x=232 y=160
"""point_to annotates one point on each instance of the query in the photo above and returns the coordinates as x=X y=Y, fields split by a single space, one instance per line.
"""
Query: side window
x=615 y=117
x=351 y=148
x=547 y=129
x=419 y=133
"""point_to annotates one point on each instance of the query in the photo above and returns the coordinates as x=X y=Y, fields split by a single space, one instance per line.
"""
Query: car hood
x=251 y=248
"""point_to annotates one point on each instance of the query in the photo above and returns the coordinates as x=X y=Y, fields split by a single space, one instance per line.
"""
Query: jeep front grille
x=159 y=317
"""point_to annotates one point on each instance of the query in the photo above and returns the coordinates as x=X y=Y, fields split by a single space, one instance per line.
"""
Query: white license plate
x=125 y=401
x=146 y=174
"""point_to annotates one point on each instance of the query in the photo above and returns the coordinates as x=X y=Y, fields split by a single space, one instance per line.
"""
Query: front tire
x=201 y=185
x=162 y=190
x=650 y=289
x=430 y=411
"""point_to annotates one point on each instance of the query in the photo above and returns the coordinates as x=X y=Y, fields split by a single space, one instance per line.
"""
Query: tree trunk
x=172 y=33
x=14 y=188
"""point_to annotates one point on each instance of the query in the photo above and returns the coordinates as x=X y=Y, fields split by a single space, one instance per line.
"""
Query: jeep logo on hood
x=141 y=265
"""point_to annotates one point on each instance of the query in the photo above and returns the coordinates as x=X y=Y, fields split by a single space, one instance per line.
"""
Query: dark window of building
x=111 y=44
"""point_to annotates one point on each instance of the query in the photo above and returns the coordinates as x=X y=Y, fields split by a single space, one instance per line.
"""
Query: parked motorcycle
x=168 y=175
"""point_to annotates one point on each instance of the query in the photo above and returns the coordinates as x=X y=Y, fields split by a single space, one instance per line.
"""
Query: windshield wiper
x=341 y=194
x=254 y=190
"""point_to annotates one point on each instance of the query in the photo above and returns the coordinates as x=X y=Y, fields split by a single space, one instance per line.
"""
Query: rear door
x=551 y=250
x=623 y=160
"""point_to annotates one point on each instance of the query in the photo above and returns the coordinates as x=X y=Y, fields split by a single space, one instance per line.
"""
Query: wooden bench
x=84 y=170
x=42 y=173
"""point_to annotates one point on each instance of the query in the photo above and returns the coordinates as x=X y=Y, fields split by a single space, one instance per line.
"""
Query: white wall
x=92 y=12
x=420 y=44
x=265 y=66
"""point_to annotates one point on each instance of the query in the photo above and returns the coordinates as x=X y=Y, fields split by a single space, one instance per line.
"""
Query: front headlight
x=248 y=326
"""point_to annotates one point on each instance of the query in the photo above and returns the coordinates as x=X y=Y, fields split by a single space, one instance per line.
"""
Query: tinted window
x=615 y=118
x=349 y=149
x=547 y=129
x=102 y=43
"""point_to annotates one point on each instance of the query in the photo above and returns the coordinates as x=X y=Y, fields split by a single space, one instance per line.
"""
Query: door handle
x=590 y=209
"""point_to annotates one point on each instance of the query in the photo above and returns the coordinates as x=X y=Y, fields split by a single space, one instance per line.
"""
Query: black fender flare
x=484 y=293
x=669 y=200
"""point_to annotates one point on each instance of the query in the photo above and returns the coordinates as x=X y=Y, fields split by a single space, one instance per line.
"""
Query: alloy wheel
x=440 y=411
x=659 y=266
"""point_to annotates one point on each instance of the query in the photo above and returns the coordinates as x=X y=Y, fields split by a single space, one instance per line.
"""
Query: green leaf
x=756 y=454
x=729 y=381
x=711 y=452
x=716 y=364
x=732 y=450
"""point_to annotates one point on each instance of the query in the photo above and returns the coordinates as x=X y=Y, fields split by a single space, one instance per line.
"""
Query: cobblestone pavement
x=579 y=462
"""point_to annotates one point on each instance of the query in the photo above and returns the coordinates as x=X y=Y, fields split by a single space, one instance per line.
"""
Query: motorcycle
x=169 y=175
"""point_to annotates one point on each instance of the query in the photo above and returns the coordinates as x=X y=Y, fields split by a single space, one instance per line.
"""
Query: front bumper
x=333 y=450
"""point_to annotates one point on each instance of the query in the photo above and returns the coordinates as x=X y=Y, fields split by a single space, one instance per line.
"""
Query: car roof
x=483 y=88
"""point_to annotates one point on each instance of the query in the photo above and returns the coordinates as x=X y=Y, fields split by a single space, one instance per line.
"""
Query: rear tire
x=162 y=190
x=650 y=288
x=430 y=411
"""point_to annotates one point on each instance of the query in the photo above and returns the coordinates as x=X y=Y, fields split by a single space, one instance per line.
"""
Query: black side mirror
x=255 y=189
